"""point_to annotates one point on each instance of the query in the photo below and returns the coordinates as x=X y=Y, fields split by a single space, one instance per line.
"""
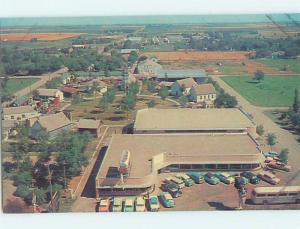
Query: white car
x=140 y=204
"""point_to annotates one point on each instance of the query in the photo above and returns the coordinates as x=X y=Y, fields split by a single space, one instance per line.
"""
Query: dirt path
x=285 y=138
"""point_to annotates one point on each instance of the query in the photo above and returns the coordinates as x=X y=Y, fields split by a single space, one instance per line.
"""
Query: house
x=205 y=94
x=46 y=94
x=53 y=123
x=182 y=87
x=149 y=67
x=89 y=125
x=199 y=75
x=19 y=113
x=69 y=91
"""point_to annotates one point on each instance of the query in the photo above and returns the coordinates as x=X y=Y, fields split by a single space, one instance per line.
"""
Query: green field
x=273 y=91
x=14 y=85
x=280 y=64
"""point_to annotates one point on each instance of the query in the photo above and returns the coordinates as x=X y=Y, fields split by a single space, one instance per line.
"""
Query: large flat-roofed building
x=186 y=120
x=151 y=154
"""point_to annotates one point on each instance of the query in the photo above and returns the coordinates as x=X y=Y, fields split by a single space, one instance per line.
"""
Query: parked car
x=167 y=200
x=186 y=179
x=104 y=205
x=239 y=182
x=167 y=181
x=117 y=204
x=271 y=154
x=197 y=177
x=269 y=177
x=128 y=205
x=153 y=203
x=172 y=188
x=177 y=181
x=279 y=165
x=253 y=179
x=225 y=177
x=210 y=178
x=140 y=204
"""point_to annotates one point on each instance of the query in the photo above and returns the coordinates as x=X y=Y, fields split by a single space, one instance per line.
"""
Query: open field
x=290 y=65
x=200 y=56
x=37 y=36
x=274 y=91
x=15 y=85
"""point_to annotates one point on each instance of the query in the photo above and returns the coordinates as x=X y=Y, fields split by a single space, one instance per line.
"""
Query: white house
x=19 y=113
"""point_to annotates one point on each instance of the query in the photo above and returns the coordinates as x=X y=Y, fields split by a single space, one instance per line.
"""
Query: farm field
x=37 y=36
x=15 y=85
x=273 y=91
x=280 y=64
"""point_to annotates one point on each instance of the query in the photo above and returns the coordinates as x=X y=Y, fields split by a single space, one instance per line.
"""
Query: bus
x=276 y=195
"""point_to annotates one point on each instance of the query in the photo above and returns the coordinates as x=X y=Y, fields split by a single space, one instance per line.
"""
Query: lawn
x=291 y=65
x=15 y=85
x=273 y=91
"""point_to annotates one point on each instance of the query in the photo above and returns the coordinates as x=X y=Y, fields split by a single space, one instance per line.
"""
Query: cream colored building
x=205 y=94
x=19 y=113
x=45 y=93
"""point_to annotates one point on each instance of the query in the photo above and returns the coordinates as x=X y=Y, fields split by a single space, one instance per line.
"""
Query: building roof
x=18 y=110
x=191 y=119
x=47 y=92
x=187 y=83
x=70 y=90
x=176 y=149
x=54 y=121
x=188 y=73
x=204 y=89
x=88 y=124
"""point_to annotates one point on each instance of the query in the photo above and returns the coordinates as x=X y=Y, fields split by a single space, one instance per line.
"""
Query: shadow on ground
x=220 y=206
x=89 y=189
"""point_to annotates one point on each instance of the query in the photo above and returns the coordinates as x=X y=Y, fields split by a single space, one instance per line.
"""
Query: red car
x=279 y=165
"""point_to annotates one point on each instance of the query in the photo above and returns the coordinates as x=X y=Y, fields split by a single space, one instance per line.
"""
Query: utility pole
x=65 y=181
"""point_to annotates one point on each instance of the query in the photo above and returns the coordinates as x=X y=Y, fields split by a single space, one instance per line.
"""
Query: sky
x=39 y=8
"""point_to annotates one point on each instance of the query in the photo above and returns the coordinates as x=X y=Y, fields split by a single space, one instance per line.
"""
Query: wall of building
x=21 y=117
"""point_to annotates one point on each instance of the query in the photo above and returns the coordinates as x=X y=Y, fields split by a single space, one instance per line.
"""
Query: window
x=261 y=195
x=12 y=117
x=272 y=195
x=210 y=166
x=293 y=194
x=197 y=166
x=23 y=116
x=185 y=166
x=222 y=166
x=282 y=194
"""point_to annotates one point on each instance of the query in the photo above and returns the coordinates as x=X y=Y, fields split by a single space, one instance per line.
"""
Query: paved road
x=285 y=138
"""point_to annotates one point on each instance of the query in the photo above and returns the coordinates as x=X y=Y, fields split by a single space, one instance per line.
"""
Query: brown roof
x=54 y=121
x=204 y=89
x=187 y=83
x=70 y=90
x=88 y=124
x=191 y=119
x=47 y=92
x=18 y=110
x=177 y=149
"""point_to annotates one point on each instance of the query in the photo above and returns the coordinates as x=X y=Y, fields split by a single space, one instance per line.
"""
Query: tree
x=284 y=155
x=163 y=92
x=183 y=100
x=296 y=104
x=76 y=99
x=271 y=140
x=133 y=57
x=225 y=100
x=151 y=86
x=259 y=75
x=128 y=103
x=152 y=103
x=260 y=130
x=103 y=103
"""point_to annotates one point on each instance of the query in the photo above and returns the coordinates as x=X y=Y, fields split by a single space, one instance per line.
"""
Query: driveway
x=285 y=138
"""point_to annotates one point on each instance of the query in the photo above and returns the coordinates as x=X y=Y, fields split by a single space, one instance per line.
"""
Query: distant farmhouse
x=204 y=94
x=46 y=94
x=21 y=113
x=53 y=123
x=183 y=86
x=89 y=125
x=149 y=67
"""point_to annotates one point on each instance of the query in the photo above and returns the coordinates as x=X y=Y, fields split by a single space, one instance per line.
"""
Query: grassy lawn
x=291 y=65
x=15 y=85
x=274 y=91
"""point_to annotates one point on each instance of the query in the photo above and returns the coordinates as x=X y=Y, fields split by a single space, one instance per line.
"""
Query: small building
x=149 y=67
x=46 y=94
x=89 y=125
x=19 y=113
x=199 y=76
x=205 y=94
x=53 y=123
x=69 y=91
x=182 y=87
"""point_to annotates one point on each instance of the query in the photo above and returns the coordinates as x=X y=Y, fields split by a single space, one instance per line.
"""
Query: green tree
x=163 y=92
x=296 y=103
x=128 y=103
x=271 y=140
x=183 y=100
x=133 y=57
x=151 y=103
x=151 y=86
x=260 y=130
x=259 y=75
x=284 y=155
x=103 y=103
